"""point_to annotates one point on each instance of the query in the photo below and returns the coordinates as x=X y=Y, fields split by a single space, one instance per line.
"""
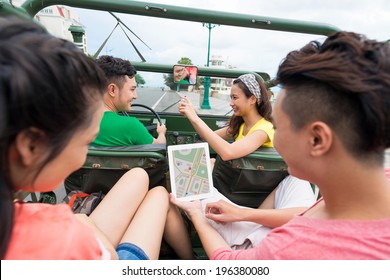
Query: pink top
x=48 y=232
x=310 y=238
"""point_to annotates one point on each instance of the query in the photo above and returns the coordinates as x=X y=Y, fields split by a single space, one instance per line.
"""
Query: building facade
x=220 y=87
x=61 y=21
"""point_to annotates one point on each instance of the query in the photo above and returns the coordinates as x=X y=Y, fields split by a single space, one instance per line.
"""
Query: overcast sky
x=249 y=49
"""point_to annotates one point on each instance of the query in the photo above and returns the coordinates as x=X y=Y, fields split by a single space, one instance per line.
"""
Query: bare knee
x=160 y=195
x=137 y=176
x=138 y=172
x=161 y=192
x=133 y=182
x=212 y=163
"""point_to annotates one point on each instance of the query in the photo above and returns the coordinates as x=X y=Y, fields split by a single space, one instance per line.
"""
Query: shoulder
x=108 y=115
x=342 y=238
x=294 y=181
x=263 y=124
x=114 y=119
x=44 y=231
x=28 y=212
x=294 y=192
x=268 y=128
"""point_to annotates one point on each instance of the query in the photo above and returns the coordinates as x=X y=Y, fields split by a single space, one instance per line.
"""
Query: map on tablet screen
x=190 y=171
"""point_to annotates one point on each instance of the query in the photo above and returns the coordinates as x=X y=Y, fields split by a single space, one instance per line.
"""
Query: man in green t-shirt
x=117 y=130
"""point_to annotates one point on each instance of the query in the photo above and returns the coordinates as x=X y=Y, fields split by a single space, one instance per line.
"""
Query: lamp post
x=206 y=103
x=77 y=32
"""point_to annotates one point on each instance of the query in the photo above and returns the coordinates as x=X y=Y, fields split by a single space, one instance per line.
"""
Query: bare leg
x=212 y=163
x=147 y=227
x=113 y=215
x=176 y=234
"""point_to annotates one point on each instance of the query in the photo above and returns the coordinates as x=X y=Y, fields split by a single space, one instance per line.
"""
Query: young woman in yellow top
x=252 y=109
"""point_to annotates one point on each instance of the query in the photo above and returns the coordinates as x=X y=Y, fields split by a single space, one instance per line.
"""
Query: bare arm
x=223 y=133
x=161 y=130
x=224 y=149
x=211 y=239
x=271 y=217
x=223 y=212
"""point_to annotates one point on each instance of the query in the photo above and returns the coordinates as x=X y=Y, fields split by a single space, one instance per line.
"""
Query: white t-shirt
x=291 y=192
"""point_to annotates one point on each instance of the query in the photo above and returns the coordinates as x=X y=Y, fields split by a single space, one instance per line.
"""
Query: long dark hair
x=264 y=107
x=46 y=83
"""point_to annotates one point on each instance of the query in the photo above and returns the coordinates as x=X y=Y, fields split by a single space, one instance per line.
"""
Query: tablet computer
x=190 y=171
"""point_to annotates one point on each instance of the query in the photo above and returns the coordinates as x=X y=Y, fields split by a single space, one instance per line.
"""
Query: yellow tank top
x=262 y=124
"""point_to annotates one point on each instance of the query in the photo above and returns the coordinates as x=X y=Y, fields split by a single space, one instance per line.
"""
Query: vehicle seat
x=105 y=165
x=247 y=181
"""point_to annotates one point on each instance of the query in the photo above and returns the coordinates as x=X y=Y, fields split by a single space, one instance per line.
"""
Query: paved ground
x=219 y=105
x=166 y=101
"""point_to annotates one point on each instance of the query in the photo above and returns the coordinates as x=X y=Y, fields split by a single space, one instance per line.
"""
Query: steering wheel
x=153 y=126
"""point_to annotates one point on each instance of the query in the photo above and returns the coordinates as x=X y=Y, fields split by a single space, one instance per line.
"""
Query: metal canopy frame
x=32 y=7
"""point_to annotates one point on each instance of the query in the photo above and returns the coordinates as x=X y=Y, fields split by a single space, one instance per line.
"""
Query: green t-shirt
x=183 y=82
x=117 y=130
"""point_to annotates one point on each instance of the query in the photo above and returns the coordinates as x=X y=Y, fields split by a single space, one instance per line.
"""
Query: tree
x=139 y=80
x=168 y=78
x=168 y=81
x=185 y=61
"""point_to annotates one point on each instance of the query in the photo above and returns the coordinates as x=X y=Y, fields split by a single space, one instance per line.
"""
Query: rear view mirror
x=185 y=74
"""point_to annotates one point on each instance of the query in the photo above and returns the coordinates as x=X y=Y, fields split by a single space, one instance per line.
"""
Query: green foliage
x=139 y=80
x=168 y=81
x=185 y=61
x=200 y=81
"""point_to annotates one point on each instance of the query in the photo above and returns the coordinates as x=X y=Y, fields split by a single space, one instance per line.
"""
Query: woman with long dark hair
x=250 y=125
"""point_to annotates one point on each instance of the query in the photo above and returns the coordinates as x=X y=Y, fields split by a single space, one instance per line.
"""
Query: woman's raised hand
x=187 y=108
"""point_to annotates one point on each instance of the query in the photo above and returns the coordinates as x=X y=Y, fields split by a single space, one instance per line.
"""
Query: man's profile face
x=290 y=143
x=179 y=73
x=127 y=94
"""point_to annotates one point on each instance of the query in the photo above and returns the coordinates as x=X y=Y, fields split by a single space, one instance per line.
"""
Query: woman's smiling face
x=239 y=102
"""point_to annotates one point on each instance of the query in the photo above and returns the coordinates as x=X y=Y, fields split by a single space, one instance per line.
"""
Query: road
x=166 y=101
x=157 y=99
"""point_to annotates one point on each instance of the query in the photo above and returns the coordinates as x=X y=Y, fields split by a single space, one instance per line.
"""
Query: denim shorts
x=129 y=251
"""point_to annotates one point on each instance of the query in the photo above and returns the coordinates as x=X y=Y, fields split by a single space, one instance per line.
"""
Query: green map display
x=190 y=171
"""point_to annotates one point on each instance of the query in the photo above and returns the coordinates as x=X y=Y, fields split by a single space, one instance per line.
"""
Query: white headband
x=251 y=83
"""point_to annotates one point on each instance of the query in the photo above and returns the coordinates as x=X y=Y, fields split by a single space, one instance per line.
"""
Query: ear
x=321 y=138
x=112 y=89
x=252 y=99
x=29 y=145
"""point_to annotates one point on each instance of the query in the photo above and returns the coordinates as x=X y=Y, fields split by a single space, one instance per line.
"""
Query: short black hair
x=344 y=82
x=116 y=69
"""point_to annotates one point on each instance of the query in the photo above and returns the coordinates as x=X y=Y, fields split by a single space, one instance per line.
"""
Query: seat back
x=247 y=181
x=105 y=165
